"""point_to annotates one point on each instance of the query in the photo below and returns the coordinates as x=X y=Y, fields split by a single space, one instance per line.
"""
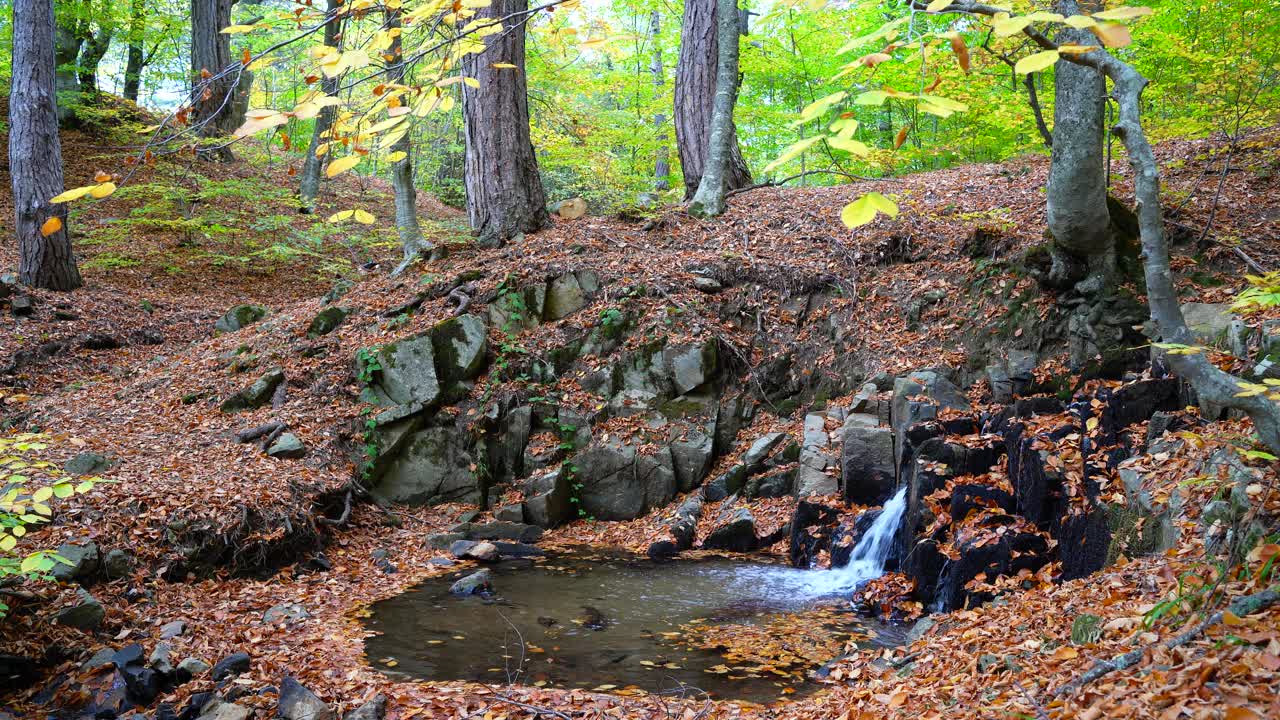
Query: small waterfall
x=867 y=561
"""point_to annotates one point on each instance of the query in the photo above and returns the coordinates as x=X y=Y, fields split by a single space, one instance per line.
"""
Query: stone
x=473 y=584
x=117 y=563
x=298 y=703
x=340 y=288
x=781 y=483
x=102 y=658
x=129 y=655
x=1209 y=323
x=256 y=395
x=632 y=401
x=815 y=476
x=142 y=684
x=327 y=320
x=86 y=614
x=231 y=666
x=471 y=550
x=100 y=341
x=460 y=345
x=736 y=535
x=499 y=530
x=692 y=459
x=918 y=397
x=434 y=467
x=565 y=296
x=22 y=306
x=402 y=372
x=219 y=710
x=173 y=629
x=87 y=463
x=287 y=447
x=82 y=563
x=510 y=514
x=759 y=451
x=548 y=500
x=193 y=666
x=442 y=541
x=707 y=285
x=691 y=366
x=285 y=612
x=374 y=709
x=161 y=659
x=240 y=316
x=868 y=473
x=619 y=484
x=725 y=484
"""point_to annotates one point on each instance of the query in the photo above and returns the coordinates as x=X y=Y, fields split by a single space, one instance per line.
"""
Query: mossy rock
x=240 y=316
x=327 y=320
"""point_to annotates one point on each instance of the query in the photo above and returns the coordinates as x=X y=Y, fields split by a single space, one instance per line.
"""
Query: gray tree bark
x=1077 y=193
x=505 y=196
x=709 y=200
x=402 y=170
x=66 y=81
x=35 y=154
x=135 y=56
x=219 y=90
x=661 y=164
x=695 y=90
x=312 y=164
x=95 y=47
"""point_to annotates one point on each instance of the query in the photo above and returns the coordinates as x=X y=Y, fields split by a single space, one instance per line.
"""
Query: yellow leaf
x=397 y=156
x=100 y=191
x=74 y=194
x=50 y=226
x=341 y=165
x=939 y=5
x=1080 y=22
x=471 y=82
x=1035 y=63
x=1066 y=652
x=236 y=29
x=863 y=210
x=1123 y=13
x=1230 y=618
x=364 y=218
x=793 y=151
x=340 y=216
x=849 y=145
x=504 y=66
x=1112 y=35
x=1071 y=49
x=1005 y=27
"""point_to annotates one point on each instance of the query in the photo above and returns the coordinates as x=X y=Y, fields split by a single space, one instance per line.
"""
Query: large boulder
x=474 y=584
x=738 y=534
x=568 y=293
x=868 y=473
x=690 y=366
x=401 y=373
x=692 y=458
x=327 y=320
x=256 y=395
x=549 y=500
x=460 y=346
x=620 y=484
x=298 y=703
x=85 y=614
x=240 y=316
x=82 y=562
x=433 y=467
x=918 y=397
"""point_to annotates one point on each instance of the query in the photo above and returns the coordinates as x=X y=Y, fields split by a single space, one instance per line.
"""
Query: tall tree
x=35 y=154
x=312 y=164
x=92 y=50
x=710 y=197
x=695 y=92
x=135 y=55
x=661 y=165
x=219 y=92
x=504 y=191
x=1077 y=193
x=402 y=170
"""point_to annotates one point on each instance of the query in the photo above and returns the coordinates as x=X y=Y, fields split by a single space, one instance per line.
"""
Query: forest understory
x=130 y=375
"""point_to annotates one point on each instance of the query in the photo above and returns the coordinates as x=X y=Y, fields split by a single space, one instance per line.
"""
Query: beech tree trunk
x=661 y=165
x=135 y=57
x=402 y=170
x=695 y=91
x=217 y=108
x=312 y=165
x=45 y=258
x=66 y=81
x=709 y=199
x=504 y=191
x=1077 y=193
x=95 y=47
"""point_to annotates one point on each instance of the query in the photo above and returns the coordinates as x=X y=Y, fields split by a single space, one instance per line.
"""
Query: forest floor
x=159 y=272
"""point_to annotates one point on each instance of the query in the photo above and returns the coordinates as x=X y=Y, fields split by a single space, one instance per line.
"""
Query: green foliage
x=29 y=484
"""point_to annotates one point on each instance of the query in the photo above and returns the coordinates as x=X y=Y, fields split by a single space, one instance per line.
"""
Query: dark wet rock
x=231 y=666
x=142 y=684
x=443 y=541
x=22 y=306
x=240 y=316
x=480 y=551
x=374 y=709
x=117 y=563
x=619 y=484
x=736 y=535
x=327 y=320
x=1012 y=552
x=87 y=463
x=510 y=514
x=918 y=397
x=728 y=483
x=83 y=561
x=255 y=395
x=129 y=655
x=662 y=550
x=499 y=530
x=868 y=473
x=811 y=526
x=100 y=341
x=298 y=703
x=432 y=465
x=285 y=612
x=86 y=614
x=476 y=582
x=967 y=497
x=518 y=550
x=161 y=659
x=17 y=671
x=591 y=618
x=287 y=447
x=779 y=483
x=102 y=658
x=760 y=450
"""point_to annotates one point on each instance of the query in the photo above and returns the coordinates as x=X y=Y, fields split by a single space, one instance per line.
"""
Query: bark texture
x=504 y=191
x=219 y=94
x=35 y=155
x=661 y=164
x=66 y=82
x=95 y=47
x=135 y=55
x=313 y=165
x=402 y=170
x=695 y=92
x=709 y=200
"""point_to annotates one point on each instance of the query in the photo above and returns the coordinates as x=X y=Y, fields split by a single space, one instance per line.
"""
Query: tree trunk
x=661 y=165
x=135 y=57
x=35 y=155
x=66 y=81
x=708 y=201
x=95 y=47
x=217 y=108
x=312 y=164
x=402 y=170
x=504 y=191
x=1077 y=192
x=695 y=92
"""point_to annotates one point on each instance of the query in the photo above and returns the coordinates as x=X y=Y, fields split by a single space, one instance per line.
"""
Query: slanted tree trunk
x=695 y=91
x=312 y=165
x=45 y=258
x=402 y=170
x=135 y=56
x=661 y=165
x=95 y=47
x=217 y=108
x=709 y=200
x=504 y=191
x=1077 y=193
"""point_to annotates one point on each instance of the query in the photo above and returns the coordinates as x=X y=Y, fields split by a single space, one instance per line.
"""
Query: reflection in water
x=610 y=623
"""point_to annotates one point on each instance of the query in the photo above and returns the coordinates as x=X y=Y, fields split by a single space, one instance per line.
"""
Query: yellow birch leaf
x=341 y=165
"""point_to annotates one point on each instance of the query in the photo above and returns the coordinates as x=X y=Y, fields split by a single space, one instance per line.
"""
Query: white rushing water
x=869 y=556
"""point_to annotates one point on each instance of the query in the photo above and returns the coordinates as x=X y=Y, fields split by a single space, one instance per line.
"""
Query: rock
x=868 y=473
x=142 y=685
x=632 y=401
x=510 y=514
x=736 y=535
x=285 y=612
x=518 y=550
x=102 y=658
x=442 y=541
x=401 y=372
x=117 y=564
x=460 y=346
x=691 y=366
x=759 y=451
x=87 y=463
x=516 y=310
x=433 y=467
x=475 y=583
x=287 y=446
x=129 y=655
x=298 y=703
x=773 y=485
x=917 y=397
x=382 y=558
x=193 y=666
x=619 y=484
x=499 y=530
x=1210 y=323
x=86 y=614
x=707 y=285
x=173 y=629
x=662 y=550
x=161 y=659
x=22 y=306
x=565 y=296
x=327 y=320
x=692 y=458
x=815 y=474
x=219 y=710
x=256 y=395
x=374 y=709
x=240 y=316
x=100 y=341
x=231 y=666
x=340 y=288
x=82 y=563
x=471 y=550
x=548 y=500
